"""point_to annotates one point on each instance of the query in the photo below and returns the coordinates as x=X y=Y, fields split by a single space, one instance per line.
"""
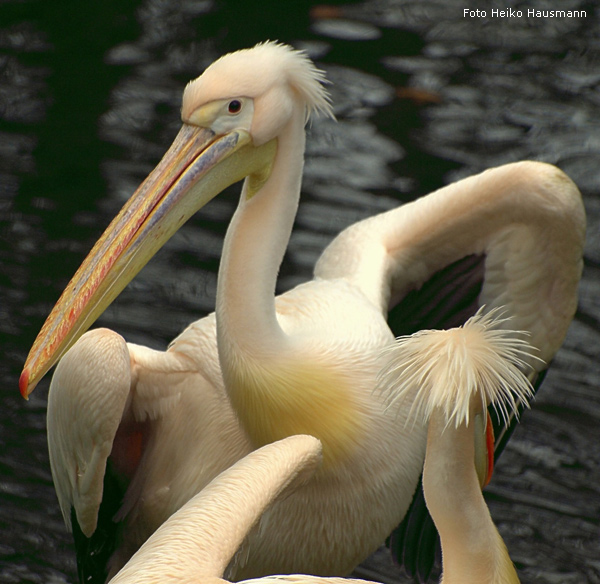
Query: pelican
x=153 y=428
x=459 y=373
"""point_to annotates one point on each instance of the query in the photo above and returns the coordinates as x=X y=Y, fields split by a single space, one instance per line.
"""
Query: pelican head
x=254 y=90
x=233 y=115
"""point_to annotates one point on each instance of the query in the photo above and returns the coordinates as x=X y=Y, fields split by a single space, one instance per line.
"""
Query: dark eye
x=234 y=107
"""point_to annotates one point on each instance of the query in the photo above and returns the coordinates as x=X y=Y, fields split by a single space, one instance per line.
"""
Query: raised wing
x=510 y=238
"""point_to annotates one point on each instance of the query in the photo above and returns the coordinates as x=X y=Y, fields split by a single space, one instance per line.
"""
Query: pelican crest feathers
x=448 y=368
x=250 y=71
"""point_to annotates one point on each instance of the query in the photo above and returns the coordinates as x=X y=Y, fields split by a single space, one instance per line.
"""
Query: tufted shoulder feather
x=447 y=368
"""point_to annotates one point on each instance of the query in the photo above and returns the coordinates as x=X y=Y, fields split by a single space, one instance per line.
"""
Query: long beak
x=197 y=166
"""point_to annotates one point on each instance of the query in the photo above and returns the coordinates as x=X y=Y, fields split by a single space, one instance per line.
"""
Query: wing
x=525 y=219
x=511 y=237
x=102 y=406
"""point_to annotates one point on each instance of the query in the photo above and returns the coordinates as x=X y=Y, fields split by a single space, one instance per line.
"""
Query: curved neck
x=197 y=542
x=472 y=549
x=254 y=247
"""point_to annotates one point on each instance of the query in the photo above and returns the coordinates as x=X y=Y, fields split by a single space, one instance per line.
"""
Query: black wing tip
x=415 y=543
x=94 y=553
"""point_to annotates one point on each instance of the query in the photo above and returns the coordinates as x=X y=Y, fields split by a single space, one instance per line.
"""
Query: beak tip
x=24 y=383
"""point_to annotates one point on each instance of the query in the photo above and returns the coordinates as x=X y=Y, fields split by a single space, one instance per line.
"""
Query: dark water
x=89 y=99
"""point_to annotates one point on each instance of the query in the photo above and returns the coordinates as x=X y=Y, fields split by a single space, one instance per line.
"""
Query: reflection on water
x=89 y=100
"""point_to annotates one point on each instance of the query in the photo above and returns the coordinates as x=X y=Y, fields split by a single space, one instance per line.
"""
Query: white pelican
x=262 y=368
x=459 y=373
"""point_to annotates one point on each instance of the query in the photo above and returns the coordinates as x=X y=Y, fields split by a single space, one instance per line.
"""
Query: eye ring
x=234 y=107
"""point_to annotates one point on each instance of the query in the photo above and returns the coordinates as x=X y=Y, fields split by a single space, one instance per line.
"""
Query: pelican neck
x=472 y=549
x=254 y=247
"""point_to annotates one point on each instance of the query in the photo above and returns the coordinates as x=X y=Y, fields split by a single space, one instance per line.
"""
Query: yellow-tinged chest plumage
x=285 y=396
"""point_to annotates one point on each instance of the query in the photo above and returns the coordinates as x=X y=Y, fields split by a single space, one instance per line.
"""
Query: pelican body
x=262 y=368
